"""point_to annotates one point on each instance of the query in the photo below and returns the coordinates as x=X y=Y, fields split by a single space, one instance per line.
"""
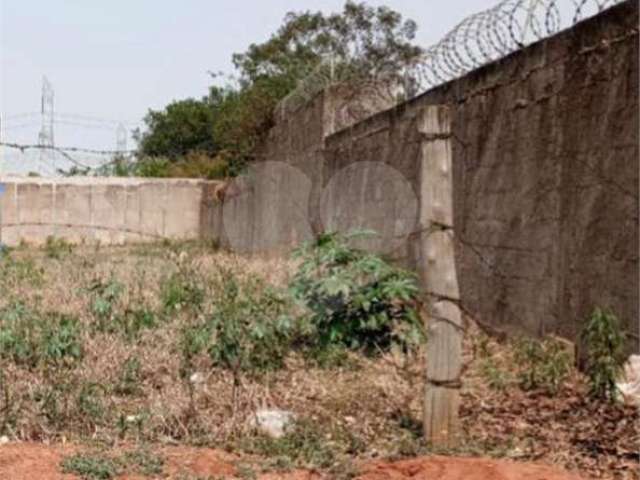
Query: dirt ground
x=28 y=461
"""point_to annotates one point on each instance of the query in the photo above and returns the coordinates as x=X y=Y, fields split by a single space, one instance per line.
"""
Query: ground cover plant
x=164 y=344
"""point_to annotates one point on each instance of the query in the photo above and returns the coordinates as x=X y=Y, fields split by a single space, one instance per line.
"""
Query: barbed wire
x=494 y=33
x=68 y=155
x=23 y=147
x=477 y=40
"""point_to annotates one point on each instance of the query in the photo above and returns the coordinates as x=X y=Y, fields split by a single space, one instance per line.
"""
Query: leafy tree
x=181 y=127
x=376 y=40
x=364 y=41
x=228 y=124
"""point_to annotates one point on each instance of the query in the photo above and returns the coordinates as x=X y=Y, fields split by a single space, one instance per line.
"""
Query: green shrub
x=604 y=342
x=181 y=291
x=248 y=330
x=355 y=298
x=543 y=364
x=18 y=334
x=60 y=338
x=27 y=336
x=496 y=377
x=250 y=327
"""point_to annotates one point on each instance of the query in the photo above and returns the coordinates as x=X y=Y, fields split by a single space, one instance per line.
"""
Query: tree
x=228 y=124
x=373 y=40
x=182 y=127
x=364 y=41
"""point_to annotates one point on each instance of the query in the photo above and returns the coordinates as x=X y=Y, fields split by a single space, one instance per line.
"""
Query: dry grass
x=133 y=388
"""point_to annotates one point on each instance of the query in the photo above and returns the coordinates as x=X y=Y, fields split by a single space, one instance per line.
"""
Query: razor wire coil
x=477 y=40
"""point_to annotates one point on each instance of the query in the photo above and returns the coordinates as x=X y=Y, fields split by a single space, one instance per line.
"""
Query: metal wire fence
x=477 y=40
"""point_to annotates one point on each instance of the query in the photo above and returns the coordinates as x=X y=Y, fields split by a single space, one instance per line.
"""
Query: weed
x=306 y=445
x=98 y=466
x=105 y=297
x=89 y=403
x=544 y=364
x=57 y=248
x=130 y=377
x=144 y=462
x=91 y=466
x=26 y=336
x=181 y=291
x=497 y=378
x=9 y=406
x=134 y=321
x=60 y=338
x=604 y=342
x=18 y=335
x=246 y=472
x=332 y=357
x=249 y=324
x=13 y=270
x=356 y=298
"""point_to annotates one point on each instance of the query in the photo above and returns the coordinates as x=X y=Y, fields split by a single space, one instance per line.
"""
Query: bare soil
x=28 y=461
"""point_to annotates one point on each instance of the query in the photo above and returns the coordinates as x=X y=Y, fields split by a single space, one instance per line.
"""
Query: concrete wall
x=105 y=210
x=545 y=157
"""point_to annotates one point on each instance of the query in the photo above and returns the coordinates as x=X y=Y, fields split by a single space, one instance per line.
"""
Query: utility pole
x=45 y=137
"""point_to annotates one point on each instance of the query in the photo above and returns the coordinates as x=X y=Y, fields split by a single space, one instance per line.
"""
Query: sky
x=115 y=59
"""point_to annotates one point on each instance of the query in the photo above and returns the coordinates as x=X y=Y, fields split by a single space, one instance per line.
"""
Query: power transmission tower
x=121 y=138
x=45 y=138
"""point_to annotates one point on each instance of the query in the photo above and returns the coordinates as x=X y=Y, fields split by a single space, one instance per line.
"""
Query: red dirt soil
x=41 y=462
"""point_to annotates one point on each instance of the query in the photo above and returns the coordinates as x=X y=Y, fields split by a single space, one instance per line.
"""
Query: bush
x=496 y=377
x=248 y=330
x=543 y=364
x=355 y=298
x=604 y=341
x=250 y=326
x=28 y=337
x=18 y=336
x=60 y=338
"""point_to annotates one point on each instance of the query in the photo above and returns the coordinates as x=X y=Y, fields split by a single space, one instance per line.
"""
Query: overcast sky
x=115 y=59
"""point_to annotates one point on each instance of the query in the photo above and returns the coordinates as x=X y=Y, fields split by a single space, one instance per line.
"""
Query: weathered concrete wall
x=105 y=210
x=545 y=178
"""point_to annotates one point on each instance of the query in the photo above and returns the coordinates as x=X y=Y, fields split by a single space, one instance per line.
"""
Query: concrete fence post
x=440 y=282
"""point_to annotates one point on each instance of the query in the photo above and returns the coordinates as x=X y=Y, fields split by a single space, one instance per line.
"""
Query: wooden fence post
x=440 y=282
